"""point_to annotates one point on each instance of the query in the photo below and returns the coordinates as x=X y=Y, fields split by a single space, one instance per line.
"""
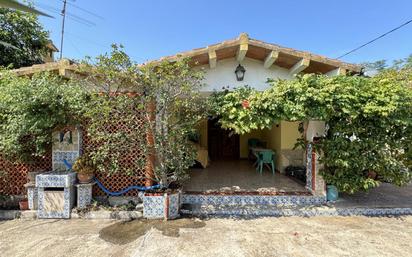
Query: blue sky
x=150 y=29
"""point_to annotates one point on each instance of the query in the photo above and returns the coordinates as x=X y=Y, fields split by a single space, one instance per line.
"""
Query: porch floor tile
x=238 y=176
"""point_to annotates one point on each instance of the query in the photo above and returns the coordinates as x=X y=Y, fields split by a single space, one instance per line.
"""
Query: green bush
x=31 y=108
x=369 y=121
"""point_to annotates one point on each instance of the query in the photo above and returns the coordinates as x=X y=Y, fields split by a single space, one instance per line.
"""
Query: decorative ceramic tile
x=68 y=199
x=55 y=179
x=84 y=194
x=174 y=204
x=59 y=156
x=259 y=211
x=67 y=147
x=287 y=200
x=309 y=167
x=153 y=207
x=32 y=195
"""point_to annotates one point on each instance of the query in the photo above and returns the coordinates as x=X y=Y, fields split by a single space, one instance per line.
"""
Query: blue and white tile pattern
x=84 y=195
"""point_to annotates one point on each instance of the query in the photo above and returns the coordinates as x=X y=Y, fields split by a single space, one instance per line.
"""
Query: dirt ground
x=287 y=236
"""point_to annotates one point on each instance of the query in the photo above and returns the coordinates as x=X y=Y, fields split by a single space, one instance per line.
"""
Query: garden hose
x=110 y=193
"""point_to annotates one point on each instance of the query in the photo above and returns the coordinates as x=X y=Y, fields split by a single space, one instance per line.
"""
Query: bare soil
x=287 y=236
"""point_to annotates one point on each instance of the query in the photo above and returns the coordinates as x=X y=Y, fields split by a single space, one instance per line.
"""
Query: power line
x=375 y=39
x=69 y=15
x=86 y=11
x=106 y=47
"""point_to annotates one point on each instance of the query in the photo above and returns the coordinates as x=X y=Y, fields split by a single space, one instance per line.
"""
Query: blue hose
x=107 y=191
x=140 y=188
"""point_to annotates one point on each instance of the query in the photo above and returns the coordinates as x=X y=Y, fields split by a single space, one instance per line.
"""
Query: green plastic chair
x=252 y=142
x=266 y=158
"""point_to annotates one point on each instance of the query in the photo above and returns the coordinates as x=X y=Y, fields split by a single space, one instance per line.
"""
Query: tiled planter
x=161 y=205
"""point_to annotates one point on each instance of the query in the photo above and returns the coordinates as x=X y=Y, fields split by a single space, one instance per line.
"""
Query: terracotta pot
x=24 y=205
x=84 y=178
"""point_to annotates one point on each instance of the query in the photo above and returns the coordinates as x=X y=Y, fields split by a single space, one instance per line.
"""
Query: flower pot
x=162 y=205
x=24 y=205
x=84 y=178
x=332 y=193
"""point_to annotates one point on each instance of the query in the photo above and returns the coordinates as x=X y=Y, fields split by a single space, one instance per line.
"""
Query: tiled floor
x=238 y=176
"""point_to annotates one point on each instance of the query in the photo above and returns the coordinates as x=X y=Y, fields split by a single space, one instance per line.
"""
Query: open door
x=222 y=145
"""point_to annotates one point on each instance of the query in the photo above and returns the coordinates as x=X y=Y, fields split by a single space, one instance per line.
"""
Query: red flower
x=245 y=104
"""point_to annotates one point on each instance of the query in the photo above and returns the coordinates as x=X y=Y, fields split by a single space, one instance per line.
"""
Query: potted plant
x=84 y=168
x=173 y=113
x=166 y=107
x=164 y=201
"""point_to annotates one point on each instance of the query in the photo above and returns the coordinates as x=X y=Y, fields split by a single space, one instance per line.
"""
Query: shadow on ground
x=126 y=232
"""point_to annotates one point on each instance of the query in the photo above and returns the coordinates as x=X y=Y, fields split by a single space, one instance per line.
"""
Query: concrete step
x=9 y=214
x=250 y=211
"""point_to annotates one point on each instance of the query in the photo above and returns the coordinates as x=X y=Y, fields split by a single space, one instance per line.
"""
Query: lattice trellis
x=13 y=176
x=16 y=174
x=129 y=160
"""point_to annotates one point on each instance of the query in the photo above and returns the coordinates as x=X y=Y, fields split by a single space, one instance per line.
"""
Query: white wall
x=256 y=75
x=315 y=128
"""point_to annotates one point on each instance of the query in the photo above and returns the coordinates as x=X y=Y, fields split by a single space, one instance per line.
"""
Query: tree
x=373 y=68
x=173 y=88
x=113 y=120
x=149 y=109
x=25 y=37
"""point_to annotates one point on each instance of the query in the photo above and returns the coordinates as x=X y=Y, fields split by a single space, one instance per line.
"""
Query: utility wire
x=375 y=39
x=86 y=11
x=69 y=15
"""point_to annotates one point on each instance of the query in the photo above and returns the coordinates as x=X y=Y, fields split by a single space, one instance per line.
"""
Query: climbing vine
x=31 y=108
x=369 y=122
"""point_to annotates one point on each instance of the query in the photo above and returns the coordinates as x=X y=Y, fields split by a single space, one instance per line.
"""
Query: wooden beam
x=299 y=66
x=336 y=72
x=241 y=52
x=270 y=59
x=243 y=47
x=212 y=58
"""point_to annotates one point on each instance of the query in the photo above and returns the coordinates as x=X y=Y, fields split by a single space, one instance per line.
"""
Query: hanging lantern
x=240 y=72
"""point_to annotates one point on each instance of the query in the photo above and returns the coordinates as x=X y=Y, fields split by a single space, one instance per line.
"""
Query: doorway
x=222 y=144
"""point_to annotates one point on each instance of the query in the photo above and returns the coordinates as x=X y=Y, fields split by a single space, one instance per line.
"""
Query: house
x=50 y=50
x=229 y=172
x=230 y=177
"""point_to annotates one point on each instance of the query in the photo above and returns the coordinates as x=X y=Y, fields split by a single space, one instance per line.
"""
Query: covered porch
x=241 y=177
x=227 y=161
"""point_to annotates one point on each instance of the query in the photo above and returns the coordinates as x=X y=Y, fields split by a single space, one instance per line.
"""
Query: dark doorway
x=221 y=144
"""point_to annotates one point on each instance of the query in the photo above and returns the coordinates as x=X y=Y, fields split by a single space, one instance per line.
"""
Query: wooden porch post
x=313 y=130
